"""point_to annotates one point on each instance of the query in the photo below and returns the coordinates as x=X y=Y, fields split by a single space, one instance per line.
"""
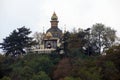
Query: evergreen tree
x=17 y=41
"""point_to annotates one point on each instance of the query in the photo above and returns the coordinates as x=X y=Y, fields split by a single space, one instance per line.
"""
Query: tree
x=71 y=78
x=65 y=42
x=41 y=76
x=63 y=69
x=110 y=70
x=79 y=42
x=75 y=41
x=102 y=37
x=115 y=49
x=17 y=42
x=38 y=38
x=5 y=78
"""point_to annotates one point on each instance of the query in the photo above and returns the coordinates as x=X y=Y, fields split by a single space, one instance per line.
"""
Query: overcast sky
x=35 y=14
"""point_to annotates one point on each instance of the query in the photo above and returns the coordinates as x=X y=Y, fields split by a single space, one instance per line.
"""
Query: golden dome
x=54 y=16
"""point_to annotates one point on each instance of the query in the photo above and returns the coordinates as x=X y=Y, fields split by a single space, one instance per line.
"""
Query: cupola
x=54 y=16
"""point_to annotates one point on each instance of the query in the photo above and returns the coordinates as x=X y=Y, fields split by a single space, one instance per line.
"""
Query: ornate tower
x=54 y=21
x=53 y=34
x=54 y=30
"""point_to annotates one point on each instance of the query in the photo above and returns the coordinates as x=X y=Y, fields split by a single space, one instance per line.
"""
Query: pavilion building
x=52 y=37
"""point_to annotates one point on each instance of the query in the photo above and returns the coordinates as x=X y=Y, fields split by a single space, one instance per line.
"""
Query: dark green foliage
x=41 y=76
x=5 y=78
x=30 y=67
x=71 y=78
x=89 y=68
x=65 y=40
x=17 y=41
x=52 y=66
x=5 y=63
x=110 y=69
x=86 y=69
x=113 y=54
x=74 y=42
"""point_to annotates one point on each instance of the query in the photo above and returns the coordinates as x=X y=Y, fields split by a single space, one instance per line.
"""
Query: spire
x=54 y=20
x=54 y=16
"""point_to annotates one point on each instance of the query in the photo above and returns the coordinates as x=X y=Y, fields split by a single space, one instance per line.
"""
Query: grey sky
x=35 y=14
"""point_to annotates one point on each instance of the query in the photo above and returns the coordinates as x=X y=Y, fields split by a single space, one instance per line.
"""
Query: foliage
x=102 y=37
x=73 y=65
x=89 y=42
x=71 y=78
x=5 y=78
x=5 y=63
x=62 y=69
x=66 y=43
x=110 y=69
x=17 y=41
x=74 y=41
x=41 y=76
x=30 y=67
x=115 y=49
x=38 y=38
x=53 y=67
x=89 y=68
x=86 y=69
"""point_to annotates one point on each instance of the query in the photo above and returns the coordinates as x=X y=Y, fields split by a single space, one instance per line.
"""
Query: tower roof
x=54 y=16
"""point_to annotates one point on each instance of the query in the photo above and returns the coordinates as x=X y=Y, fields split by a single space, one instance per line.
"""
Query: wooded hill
x=57 y=67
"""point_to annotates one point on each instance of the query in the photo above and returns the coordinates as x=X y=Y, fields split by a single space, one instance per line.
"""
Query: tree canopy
x=94 y=40
x=74 y=65
x=102 y=37
x=17 y=41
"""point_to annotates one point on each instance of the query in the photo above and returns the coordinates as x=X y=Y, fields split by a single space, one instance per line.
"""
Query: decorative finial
x=54 y=16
